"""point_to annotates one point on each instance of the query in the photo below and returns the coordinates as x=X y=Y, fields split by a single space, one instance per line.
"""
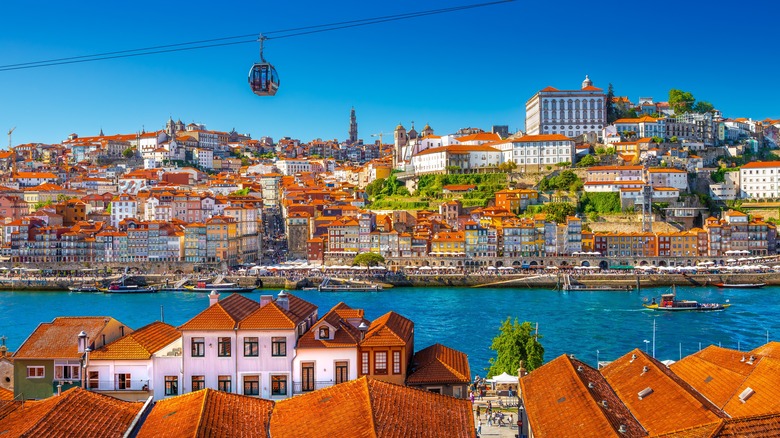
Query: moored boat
x=121 y=287
x=202 y=286
x=84 y=288
x=739 y=285
x=669 y=302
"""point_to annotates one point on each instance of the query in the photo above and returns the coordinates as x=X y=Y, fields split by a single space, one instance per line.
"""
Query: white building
x=204 y=158
x=728 y=190
x=465 y=158
x=243 y=346
x=138 y=364
x=567 y=112
x=291 y=166
x=328 y=353
x=760 y=179
x=531 y=152
x=611 y=186
x=668 y=177
x=122 y=207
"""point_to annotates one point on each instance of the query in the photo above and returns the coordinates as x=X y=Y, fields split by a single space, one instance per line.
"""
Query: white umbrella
x=730 y=261
x=491 y=268
x=425 y=268
x=551 y=267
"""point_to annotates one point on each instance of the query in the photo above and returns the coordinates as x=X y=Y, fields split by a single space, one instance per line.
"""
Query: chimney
x=266 y=299
x=363 y=327
x=213 y=298
x=282 y=301
x=59 y=389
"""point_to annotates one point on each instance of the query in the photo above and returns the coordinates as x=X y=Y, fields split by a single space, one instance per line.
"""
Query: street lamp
x=646 y=344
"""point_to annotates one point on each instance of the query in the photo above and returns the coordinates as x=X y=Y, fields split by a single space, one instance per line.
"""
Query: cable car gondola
x=262 y=77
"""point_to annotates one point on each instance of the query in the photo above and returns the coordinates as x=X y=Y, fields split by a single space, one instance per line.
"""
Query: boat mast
x=654 y=337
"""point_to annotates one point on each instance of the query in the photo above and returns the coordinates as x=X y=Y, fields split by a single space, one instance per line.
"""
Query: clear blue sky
x=472 y=68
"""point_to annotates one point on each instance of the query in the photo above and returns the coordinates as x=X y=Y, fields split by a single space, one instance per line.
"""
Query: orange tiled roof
x=636 y=371
x=771 y=349
x=542 y=137
x=371 y=408
x=268 y=317
x=224 y=315
x=140 y=344
x=6 y=394
x=345 y=335
x=58 y=339
x=564 y=397
x=76 y=413
x=439 y=364
x=208 y=413
x=389 y=329
x=764 y=381
x=711 y=379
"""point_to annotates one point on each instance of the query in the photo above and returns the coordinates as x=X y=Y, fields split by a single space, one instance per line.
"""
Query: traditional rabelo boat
x=669 y=302
x=739 y=285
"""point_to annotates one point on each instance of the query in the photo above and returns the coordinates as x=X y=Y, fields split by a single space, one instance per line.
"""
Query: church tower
x=353 y=133
x=400 y=139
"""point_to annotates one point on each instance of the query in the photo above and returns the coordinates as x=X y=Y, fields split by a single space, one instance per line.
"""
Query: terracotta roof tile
x=771 y=349
x=559 y=402
x=713 y=381
x=268 y=317
x=764 y=381
x=6 y=394
x=388 y=330
x=345 y=335
x=224 y=315
x=140 y=344
x=760 y=426
x=76 y=413
x=371 y=408
x=58 y=339
x=636 y=371
x=439 y=364
x=208 y=413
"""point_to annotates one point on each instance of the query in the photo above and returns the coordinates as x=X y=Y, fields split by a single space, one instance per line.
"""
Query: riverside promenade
x=541 y=280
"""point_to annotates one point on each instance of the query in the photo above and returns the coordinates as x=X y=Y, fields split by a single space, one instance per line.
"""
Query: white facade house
x=134 y=366
x=122 y=207
x=532 y=152
x=669 y=177
x=642 y=127
x=462 y=157
x=328 y=353
x=760 y=180
x=611 y=186
x=245 y=347
x=566 y=112
x=204 y=157
x=290 y=166
x=728 y=190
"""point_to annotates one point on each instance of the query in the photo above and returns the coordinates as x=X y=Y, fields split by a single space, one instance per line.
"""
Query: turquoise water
x=577 y=323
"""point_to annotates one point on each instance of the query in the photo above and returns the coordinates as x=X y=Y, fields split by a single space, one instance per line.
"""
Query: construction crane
x=380 y=135
x=10 y=131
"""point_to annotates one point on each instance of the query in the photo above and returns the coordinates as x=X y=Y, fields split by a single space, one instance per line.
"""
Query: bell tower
x=353 y=132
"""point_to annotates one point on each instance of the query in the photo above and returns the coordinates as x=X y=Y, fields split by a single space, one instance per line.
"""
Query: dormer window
x=324 y=332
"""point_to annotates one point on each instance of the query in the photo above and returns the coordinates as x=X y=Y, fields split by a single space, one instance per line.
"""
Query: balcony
x=118 y=385
x=311 y=386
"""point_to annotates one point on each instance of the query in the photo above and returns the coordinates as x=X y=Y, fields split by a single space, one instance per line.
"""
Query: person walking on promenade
x=479 y=427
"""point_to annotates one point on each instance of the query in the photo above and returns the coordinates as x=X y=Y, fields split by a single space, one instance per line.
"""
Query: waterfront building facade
x=566 y=112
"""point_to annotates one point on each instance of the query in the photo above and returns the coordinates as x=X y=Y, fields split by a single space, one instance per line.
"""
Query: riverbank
x=514 y=281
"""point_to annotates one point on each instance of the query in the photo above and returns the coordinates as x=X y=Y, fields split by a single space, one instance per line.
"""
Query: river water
x=587 y=324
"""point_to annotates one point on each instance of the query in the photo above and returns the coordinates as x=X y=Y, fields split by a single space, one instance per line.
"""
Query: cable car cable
x=179 y=47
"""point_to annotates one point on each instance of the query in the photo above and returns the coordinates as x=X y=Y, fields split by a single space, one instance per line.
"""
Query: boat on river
x=117 y=287
x=739 y=285
x=670 y=303
x=202 y=286
x=84 y=288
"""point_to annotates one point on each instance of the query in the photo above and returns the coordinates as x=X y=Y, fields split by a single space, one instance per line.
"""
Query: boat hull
x=740 y=286
x=699 y=308
x=140 y=290
x=233 y=290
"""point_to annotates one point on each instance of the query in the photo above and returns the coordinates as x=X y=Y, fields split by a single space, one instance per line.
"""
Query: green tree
x=376 y=186
x=587 y=160
x=657 y=139
x=368 y=259
x=673 y=139
x=703 y=107
x=557 y=211
x=128 y=153
x=612 y=112
x=681 y=101
x=515 y=342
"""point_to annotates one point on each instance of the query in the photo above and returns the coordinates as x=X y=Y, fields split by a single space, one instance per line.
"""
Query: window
x=278 y=347
x=396 y=362
x=342 y=372
x=251 y=385
x=324 y=332
x=307 y=376
x=224 y=384
x=198 y=347
x=122 y=381
x=36 y=372
x=171 y=385
x=364 y=363
x=278 y=385
x=223 y=347
x=251 y=347
x=198 y=383
x=66 y=370
x=380 y=362
x=94 y=380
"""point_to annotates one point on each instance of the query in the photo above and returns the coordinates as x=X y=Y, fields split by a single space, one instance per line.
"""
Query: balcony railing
x=298 y=387
x=116 y=385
